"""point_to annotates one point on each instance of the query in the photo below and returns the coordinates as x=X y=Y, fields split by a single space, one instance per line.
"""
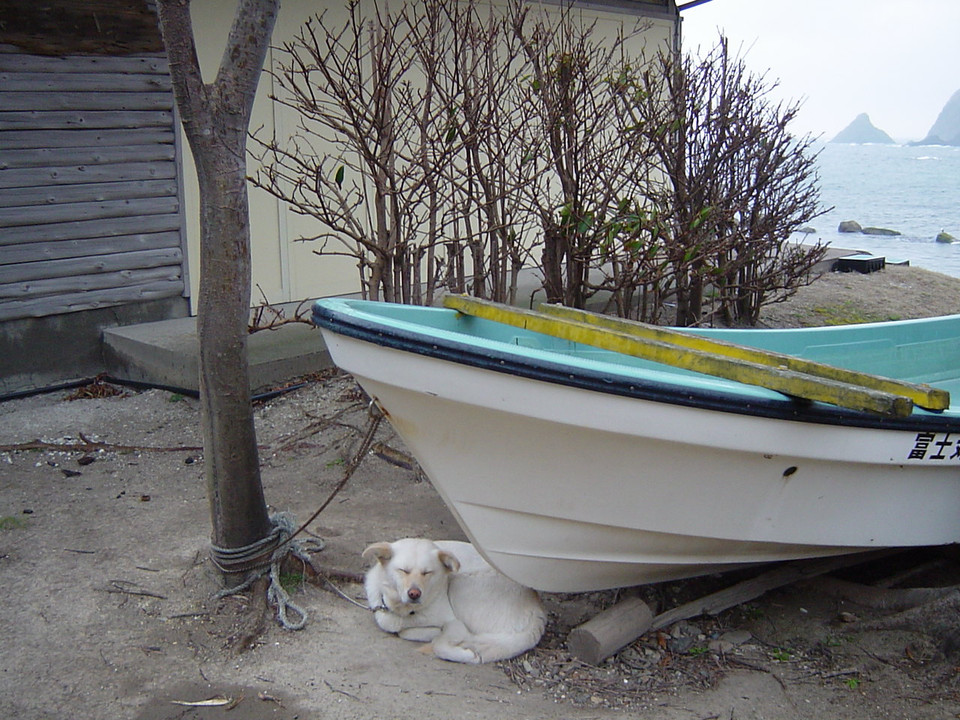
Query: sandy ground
x=896 y=293
x=106 y=606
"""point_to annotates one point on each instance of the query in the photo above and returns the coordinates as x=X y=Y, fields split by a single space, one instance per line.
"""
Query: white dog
x=445 y=593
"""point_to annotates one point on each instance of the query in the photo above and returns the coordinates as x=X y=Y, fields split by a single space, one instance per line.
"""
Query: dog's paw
x=453 y=645
x=388 y=621
x=455 y=653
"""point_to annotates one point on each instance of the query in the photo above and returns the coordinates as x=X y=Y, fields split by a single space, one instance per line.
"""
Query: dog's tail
x=458 y=644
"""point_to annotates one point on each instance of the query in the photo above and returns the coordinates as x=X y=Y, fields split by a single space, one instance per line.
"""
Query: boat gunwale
x=383 y=332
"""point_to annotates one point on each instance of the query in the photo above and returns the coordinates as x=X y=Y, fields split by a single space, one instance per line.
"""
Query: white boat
x=574 y=468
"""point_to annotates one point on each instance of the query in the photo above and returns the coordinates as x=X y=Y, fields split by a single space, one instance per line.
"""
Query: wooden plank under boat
x=576 y=468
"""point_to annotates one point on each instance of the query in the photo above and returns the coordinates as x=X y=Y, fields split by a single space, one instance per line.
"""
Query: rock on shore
x=852 y=226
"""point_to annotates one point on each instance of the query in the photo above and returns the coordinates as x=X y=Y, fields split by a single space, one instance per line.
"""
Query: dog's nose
x=414 y=593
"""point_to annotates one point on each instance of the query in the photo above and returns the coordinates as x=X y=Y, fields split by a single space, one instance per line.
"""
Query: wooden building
x=91 y=212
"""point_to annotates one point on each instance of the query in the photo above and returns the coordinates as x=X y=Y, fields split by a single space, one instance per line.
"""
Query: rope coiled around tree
x=279 y=543
x=265 y=555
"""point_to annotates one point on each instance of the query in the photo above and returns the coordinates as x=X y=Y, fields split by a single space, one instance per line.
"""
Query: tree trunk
x=231 y=461
x=215 y=119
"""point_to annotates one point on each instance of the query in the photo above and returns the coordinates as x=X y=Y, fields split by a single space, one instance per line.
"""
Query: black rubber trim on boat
x=785 y=408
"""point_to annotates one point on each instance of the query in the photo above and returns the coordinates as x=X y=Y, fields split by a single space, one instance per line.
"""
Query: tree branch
x=193 y=96
x=243 y=57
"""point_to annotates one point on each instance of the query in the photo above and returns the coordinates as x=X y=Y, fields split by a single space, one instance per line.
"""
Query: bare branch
x=193 y=96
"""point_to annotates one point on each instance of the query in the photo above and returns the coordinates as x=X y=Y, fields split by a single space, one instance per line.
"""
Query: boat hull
x=567 y=489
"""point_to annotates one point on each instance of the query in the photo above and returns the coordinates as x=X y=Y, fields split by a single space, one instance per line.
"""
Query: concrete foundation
x=165 y=354
x=40 y=353
x=152 y=344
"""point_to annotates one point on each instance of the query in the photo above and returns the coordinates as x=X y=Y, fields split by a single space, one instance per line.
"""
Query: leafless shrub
x=737 y=183
x=446 y=146
x=420 y=186
x=584 y=164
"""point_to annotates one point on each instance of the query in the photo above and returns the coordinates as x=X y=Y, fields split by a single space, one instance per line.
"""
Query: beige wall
x=283 y=269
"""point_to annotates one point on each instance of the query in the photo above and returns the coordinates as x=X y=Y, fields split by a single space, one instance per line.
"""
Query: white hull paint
x=567 y=489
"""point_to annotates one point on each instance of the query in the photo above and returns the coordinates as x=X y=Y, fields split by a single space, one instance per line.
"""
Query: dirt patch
x=896 y=293
x=106 y=592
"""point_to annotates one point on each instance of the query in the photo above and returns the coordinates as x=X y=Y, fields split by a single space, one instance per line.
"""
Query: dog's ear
x=380 y=552
x=449 y=561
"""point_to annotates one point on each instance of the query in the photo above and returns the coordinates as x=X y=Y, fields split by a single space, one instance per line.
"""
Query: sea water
x=914 y=190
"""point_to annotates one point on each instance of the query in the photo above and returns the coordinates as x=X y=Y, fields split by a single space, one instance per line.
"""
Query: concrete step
x=165 y=354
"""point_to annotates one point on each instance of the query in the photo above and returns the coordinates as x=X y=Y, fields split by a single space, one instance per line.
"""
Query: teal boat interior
x=919 y=351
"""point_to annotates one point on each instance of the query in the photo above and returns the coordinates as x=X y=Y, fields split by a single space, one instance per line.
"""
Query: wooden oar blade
x=922 y=395
x=789 y=382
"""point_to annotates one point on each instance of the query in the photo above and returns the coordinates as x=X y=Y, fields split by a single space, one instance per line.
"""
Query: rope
x=249 y=557
x=281 y=538
x=265 y=555
x=276 y=594
x=346 y=597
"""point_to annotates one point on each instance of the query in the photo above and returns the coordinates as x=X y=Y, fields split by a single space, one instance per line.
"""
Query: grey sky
x=898 y=62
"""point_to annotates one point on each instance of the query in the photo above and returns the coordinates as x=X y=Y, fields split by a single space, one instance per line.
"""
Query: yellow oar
x=922 y=395
x=786 y=381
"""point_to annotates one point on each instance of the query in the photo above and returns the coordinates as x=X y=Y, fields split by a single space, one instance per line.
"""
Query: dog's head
x=413 y=571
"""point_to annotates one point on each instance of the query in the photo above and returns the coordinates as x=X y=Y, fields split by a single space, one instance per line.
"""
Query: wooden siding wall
x=89 y=189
